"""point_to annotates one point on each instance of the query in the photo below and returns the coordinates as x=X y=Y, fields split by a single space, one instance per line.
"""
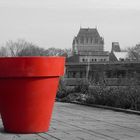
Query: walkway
x=76 y=122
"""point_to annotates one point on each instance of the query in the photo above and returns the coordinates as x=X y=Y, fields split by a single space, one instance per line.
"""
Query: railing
x=105 y=62
x=75 y=81
x=108 y=81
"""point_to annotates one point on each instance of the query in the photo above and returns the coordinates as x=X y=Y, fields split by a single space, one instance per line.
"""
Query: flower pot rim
x=19 y=57
x=31 y=66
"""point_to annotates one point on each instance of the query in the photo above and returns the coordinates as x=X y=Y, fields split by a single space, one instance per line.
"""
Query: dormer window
x=87 y=40
x=90 y=40
x=81 y=40
x=121 y=59
x=96 y=40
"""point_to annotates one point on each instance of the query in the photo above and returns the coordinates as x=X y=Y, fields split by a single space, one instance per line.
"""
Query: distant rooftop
x=115 y=43
x=121 y=55
x=116 y=47
x=88 y=32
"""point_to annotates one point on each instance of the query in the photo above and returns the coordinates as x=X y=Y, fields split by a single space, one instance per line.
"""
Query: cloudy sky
x=54 y=23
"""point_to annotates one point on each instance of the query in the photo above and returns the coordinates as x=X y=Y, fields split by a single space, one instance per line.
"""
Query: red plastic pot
x=28 y=87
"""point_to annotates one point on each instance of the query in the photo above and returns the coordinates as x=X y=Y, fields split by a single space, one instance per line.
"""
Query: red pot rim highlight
x=31 y=66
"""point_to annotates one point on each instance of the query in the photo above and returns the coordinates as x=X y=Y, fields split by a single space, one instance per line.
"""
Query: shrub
x=122 y=97
x=68 y=94
x=82 y=88
x=63 y=90
x=127 y=97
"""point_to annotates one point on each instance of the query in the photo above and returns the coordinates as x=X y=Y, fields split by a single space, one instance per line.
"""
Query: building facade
x=111 y=73
x=90 y=62
x=89 y=46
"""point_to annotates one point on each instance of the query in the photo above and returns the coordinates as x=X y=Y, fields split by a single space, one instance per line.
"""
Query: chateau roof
x=88 y=32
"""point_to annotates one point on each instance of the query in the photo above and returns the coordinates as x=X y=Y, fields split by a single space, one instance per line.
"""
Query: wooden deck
x=77 y=122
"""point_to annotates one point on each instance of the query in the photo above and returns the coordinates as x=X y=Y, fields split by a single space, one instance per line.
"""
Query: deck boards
x=77 y=122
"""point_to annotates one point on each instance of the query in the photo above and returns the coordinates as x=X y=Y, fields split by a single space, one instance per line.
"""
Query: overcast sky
x=54 y=23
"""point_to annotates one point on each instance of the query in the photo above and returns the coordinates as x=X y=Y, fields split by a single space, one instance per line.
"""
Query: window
x=96 y=40
x=121 y=73
x=81 y=74
x=108 y=74
x=81 y=40
x=91 y=40
x=87 y=39
x=74 y=74
x=121 y=59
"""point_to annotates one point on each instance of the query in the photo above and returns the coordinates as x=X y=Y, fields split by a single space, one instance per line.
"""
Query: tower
x=88 y=40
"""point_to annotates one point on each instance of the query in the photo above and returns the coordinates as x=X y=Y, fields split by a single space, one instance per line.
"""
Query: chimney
x=115 y=47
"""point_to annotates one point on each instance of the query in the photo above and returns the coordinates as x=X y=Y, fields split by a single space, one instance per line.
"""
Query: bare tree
x=21 y=48
x=3 y=52
x=134 y=52
x=68 y=52
x=58 y=52
x=54 y=52
x=14 y=48
x=37 y=51
x=24 y=48
x=32 y=50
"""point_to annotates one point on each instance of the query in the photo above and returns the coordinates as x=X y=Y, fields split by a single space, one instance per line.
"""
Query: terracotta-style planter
x=28 y=87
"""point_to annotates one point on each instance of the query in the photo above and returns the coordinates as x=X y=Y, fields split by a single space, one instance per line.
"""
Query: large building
x=88 y=45
x=90 y=62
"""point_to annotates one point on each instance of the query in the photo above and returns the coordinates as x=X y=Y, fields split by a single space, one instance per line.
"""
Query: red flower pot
x=28 y=87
